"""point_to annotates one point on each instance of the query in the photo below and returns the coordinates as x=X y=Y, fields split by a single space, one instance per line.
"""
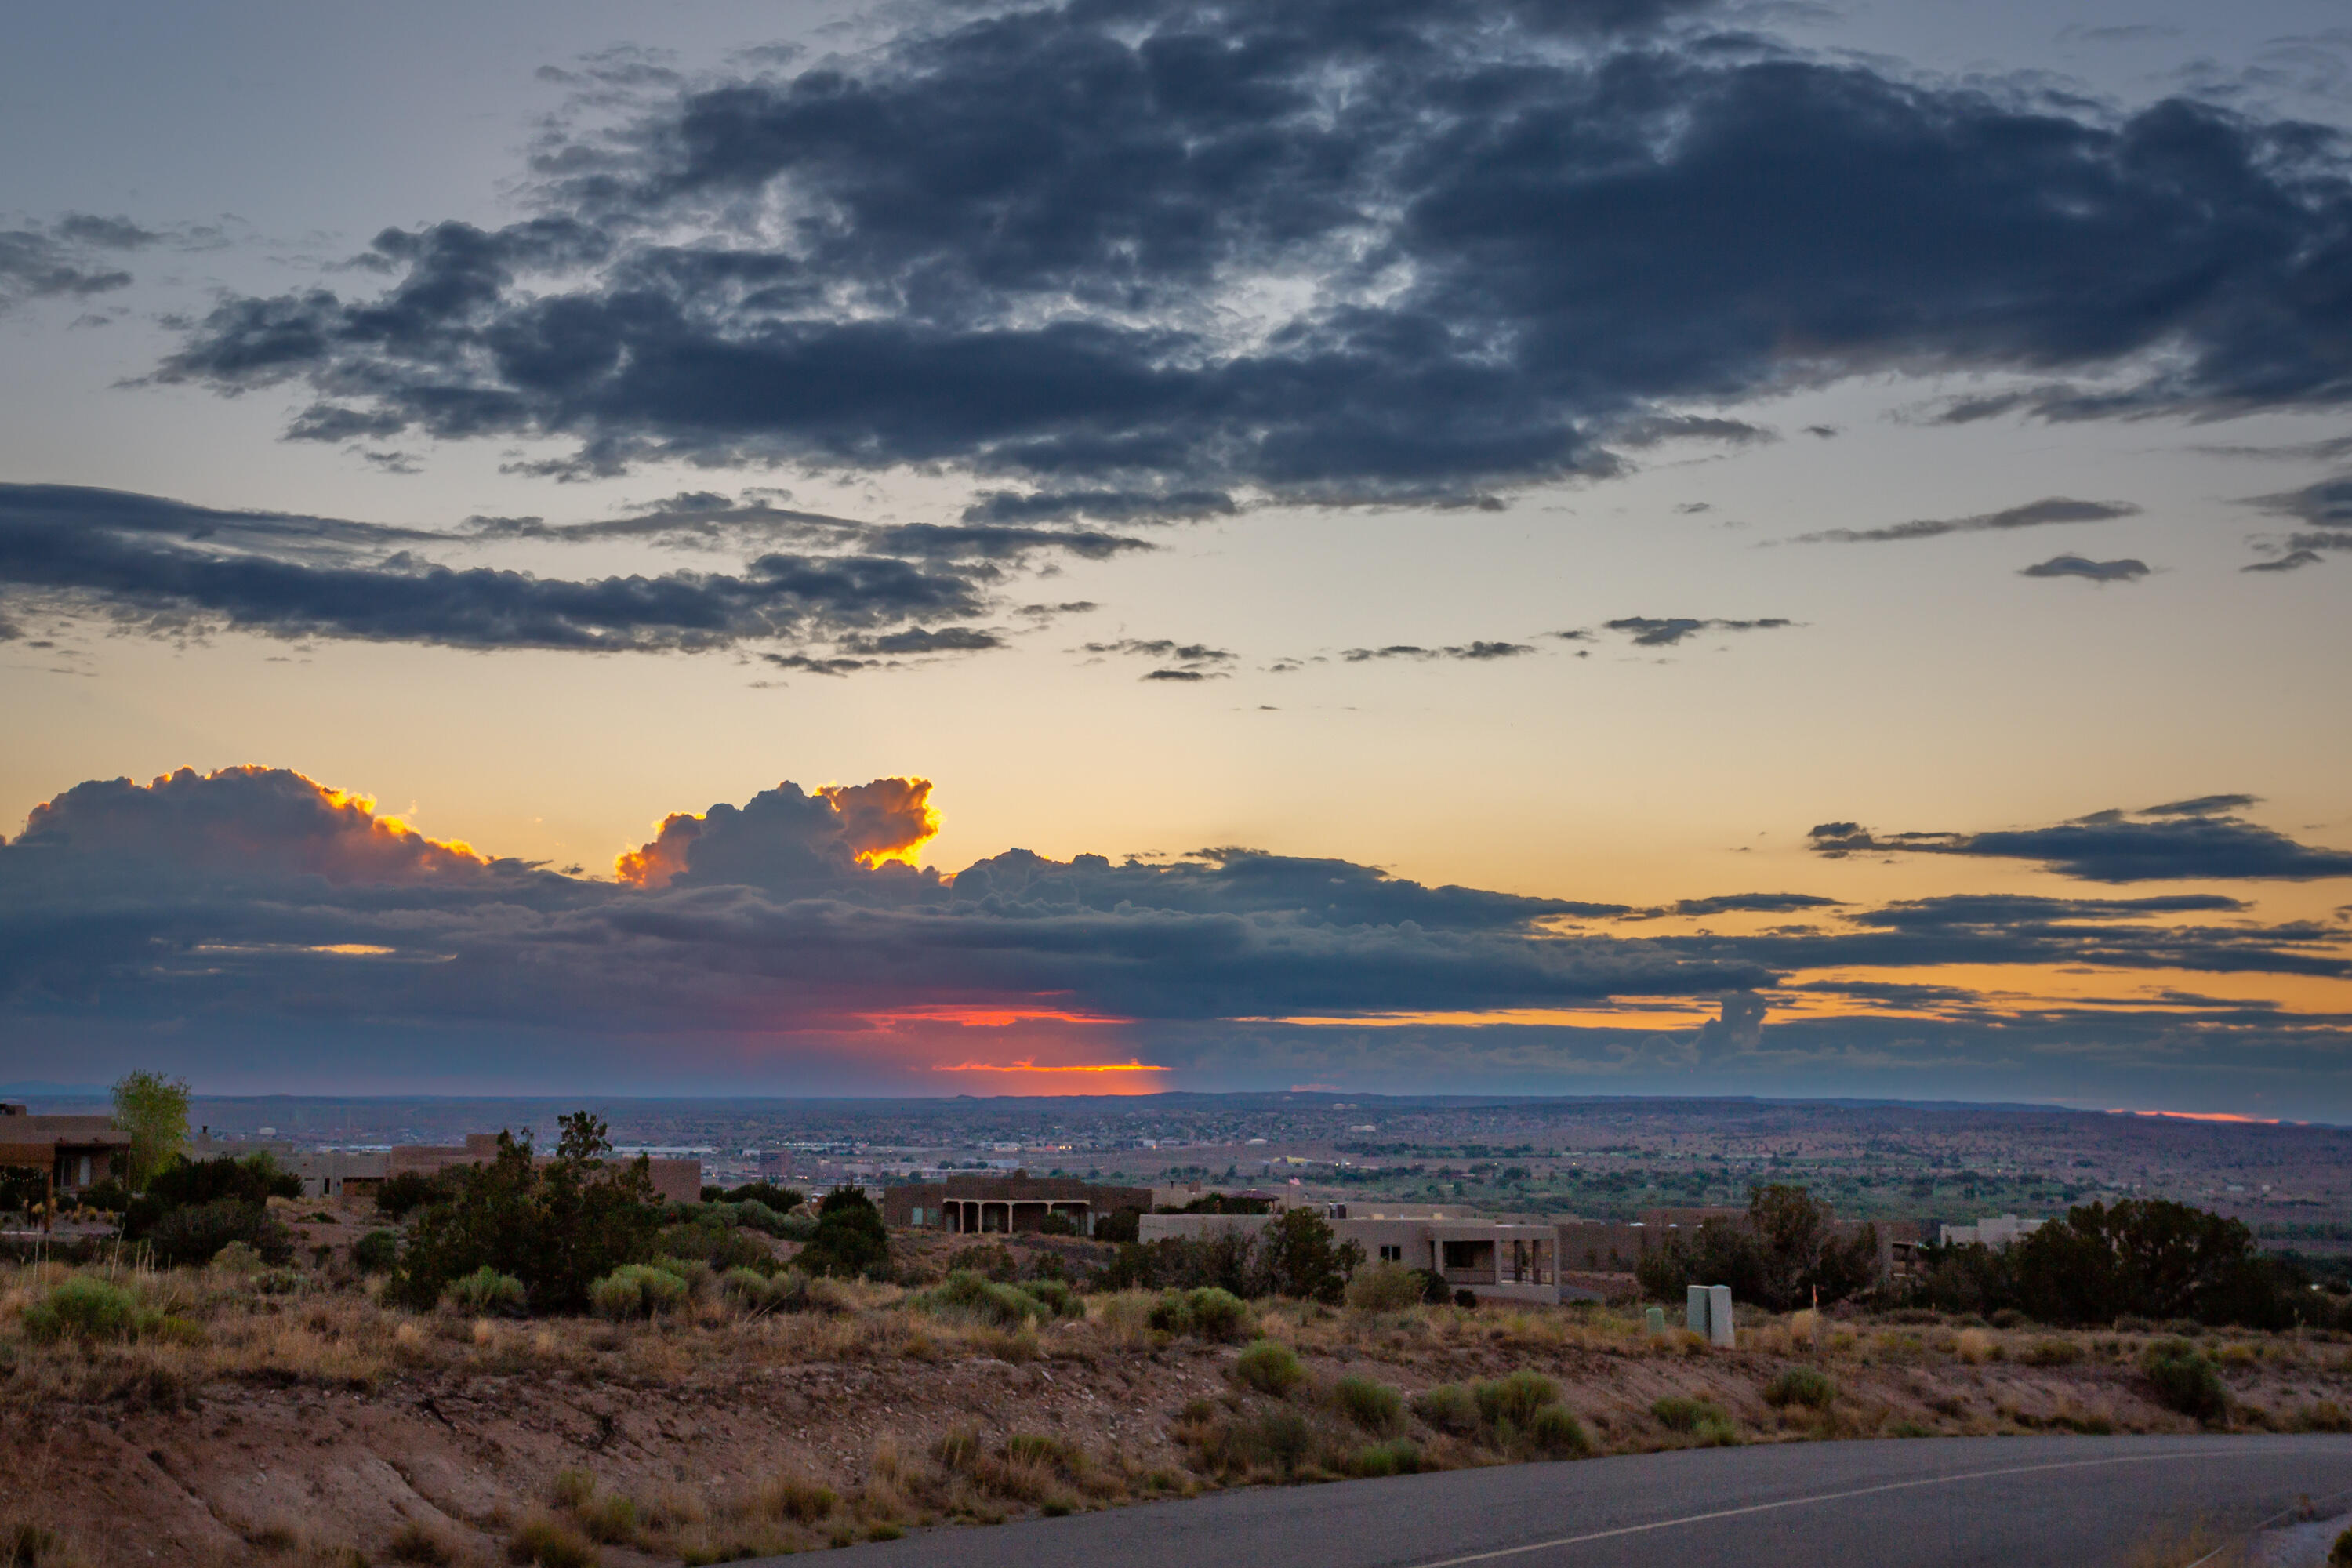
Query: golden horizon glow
x=984 y=1016
x=1026 y=1065
x=2202 y=1116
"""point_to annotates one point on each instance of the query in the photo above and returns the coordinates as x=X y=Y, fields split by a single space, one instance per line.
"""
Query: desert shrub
x=1801 y=1385
x=109 y=1196
x=1399 y=1457
x=1375 y=1406
x=753 y=1215
x=800 y=1501
x=616 y=1299
x=990 y=1259
x=1057 y=1295
x=1286 y=1436
x=850 y=1240
x=2323 y=1416
x=375 y=1252
x=610 y=1518
x=1269 y=1366
x=1207 y=1312
x=714 y=1246
x=638 y=1290
x=2008 y=1318
x=485 y=1290
x=190 y=1184
x=1717 y=1431
x=1554 y=1430
x=402 y=1194
x=1122 y=1225
x=968 y=1295
x=1057 y=1223
x=557 y=1227
x=1449 y=1407
x=89 y=1310
x=1218 y=1315
x=549 y=1543
x=2185 y=1380
x=414 y=1544
x=1384 y=1287
x=2051 y=1352
x=1680 y=1413
x=748 y=1288
x=783 y=1200
x=1515 y=1398
x=2340 y=1554
x=195 y=1233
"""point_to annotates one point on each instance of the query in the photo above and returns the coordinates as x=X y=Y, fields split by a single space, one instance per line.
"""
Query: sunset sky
x=1545 y=546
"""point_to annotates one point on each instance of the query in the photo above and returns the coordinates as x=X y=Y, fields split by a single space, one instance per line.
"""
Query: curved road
x=2000 y=1502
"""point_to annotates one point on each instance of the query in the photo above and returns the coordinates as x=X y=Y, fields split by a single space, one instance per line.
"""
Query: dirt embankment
x=713 y=1435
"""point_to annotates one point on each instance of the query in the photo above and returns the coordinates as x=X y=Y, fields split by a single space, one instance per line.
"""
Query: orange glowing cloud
x=978 y=1015
x=2201 y=1116
x=655 y=862
x=1027 y=1066
x=248 y=818
x=888 y=819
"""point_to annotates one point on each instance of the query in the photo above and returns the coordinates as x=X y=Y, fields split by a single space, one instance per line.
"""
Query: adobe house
x=74 y=1153
x=991 y=1205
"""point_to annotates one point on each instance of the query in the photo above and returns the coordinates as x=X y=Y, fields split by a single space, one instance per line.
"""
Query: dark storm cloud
x=1752 y=903
x=1471 y=652
x=1103 y=506
x=2201 y=805
x=232 y=893
x=1651 y=632
x=252 y=911
x=2124 y=571
x=1190 y=655
x=171 y=567
x=2033 y=514
x=2327 y=505
x=2175 y=842
x=2292 y=561
x=1041 y=246
x=64 y=259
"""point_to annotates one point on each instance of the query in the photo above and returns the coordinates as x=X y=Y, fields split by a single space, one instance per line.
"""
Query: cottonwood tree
x=154 y=1111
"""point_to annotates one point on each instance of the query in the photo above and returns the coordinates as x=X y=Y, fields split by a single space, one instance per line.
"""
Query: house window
x=1392 y=1254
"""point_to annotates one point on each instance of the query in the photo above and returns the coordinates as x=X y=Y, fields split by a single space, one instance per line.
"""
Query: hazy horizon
x=1567 y=547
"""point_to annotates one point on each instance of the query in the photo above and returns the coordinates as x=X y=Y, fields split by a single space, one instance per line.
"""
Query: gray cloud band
x=1033 y=246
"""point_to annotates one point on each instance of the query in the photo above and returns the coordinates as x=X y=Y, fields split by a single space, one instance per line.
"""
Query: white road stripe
x=1823 y=1497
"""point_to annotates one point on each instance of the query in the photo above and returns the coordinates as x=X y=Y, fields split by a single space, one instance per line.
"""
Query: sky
x=1539 y=546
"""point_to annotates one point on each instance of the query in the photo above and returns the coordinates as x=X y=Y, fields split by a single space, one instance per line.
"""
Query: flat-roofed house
x=986 y=1204
x=74 y=1153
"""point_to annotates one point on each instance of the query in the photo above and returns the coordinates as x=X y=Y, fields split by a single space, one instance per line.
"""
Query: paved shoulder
x=1934 y=1503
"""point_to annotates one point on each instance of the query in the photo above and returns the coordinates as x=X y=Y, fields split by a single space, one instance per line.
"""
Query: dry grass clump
x=413 y=1543
x=545 y=1541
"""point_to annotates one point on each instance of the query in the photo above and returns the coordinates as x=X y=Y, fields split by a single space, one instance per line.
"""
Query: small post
x=1694 y=1305
x=1718 y=1316
x=1654 y=1321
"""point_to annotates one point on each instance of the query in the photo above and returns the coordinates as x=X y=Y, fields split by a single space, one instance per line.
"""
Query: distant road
x=1997 y=1502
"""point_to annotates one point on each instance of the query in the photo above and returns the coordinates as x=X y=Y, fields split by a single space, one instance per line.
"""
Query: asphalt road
x=2002 y=1502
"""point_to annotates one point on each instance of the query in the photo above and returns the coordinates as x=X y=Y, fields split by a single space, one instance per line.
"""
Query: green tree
x=851 y=1239
x=154 y=1111
x=1296 y=1256
x=2152 y=1257
x=557 y=1228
